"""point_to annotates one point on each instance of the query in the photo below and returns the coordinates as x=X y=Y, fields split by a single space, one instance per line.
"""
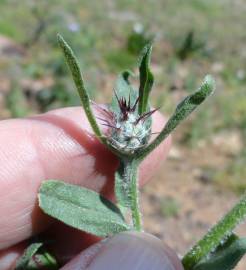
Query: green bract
x=129 y=127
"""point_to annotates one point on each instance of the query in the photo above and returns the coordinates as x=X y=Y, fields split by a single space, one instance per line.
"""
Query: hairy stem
x=126 y=189
x=136 y=215
x=218 y=233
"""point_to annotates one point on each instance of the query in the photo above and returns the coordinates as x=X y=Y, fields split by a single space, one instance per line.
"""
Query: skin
x=127 y=250
x=55 y=145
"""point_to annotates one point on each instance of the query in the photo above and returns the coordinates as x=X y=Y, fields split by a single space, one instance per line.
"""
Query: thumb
x=129 y=250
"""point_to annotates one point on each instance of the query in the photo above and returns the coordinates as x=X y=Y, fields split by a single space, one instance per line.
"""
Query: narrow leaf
x=36 y=257
x=146 y=80
x=81 y=208
x=43 y=260
x=84 y=96
x=220 y=232
x=225 y=258
x=123 y=89
x=23 y=261
x=183 y=110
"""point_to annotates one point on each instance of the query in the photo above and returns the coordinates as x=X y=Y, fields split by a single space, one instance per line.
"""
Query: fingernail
x=9 y=256
x=7 y=261
x=135 y=251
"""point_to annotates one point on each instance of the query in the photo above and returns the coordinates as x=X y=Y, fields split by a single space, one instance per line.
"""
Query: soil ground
x=199 y=203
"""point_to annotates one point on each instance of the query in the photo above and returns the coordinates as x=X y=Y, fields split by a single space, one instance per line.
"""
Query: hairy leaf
x=226 y=257
x=84 y=96
x=220 y=232
x=81 y=208
x=146 y=80
x=183 y=110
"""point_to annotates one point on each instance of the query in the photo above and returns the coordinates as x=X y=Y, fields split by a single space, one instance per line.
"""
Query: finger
x=9 y=256
x=55 y=145
x=127 y=251
x=63 y=242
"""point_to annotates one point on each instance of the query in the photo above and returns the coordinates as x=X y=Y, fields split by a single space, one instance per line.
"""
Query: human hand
x=53 y=146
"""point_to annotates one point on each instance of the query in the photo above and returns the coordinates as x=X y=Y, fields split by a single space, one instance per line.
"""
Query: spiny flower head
x=130 y=122
x=129 y=131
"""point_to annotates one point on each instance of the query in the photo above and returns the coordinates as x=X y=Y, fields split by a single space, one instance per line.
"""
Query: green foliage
x=137 y=40
x=126 y=187
x=16 y=103
x=189 y=46
x=23 y=261
x=81 y=208
x=169 y=207
x=36 y=257
x=76 y=73
x=216 y=235
x=226 y=256
x=55 y=97
x=131 y=128
x=119 y=59
x=58 y=68
x=34 y=71
x=183 y=110
x=146 y=80
x=124 y=140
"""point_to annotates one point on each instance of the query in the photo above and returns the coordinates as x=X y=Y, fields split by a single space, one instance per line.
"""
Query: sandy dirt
x=200 y=203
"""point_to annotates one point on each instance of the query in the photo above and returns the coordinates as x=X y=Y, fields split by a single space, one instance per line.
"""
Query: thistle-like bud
x=129 y=131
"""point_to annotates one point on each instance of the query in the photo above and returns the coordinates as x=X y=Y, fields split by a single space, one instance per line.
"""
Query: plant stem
x=136 y=215
x=126 y=189
x=218 y=233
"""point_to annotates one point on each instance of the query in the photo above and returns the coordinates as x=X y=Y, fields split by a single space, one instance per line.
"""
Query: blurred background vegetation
x=191 y=38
